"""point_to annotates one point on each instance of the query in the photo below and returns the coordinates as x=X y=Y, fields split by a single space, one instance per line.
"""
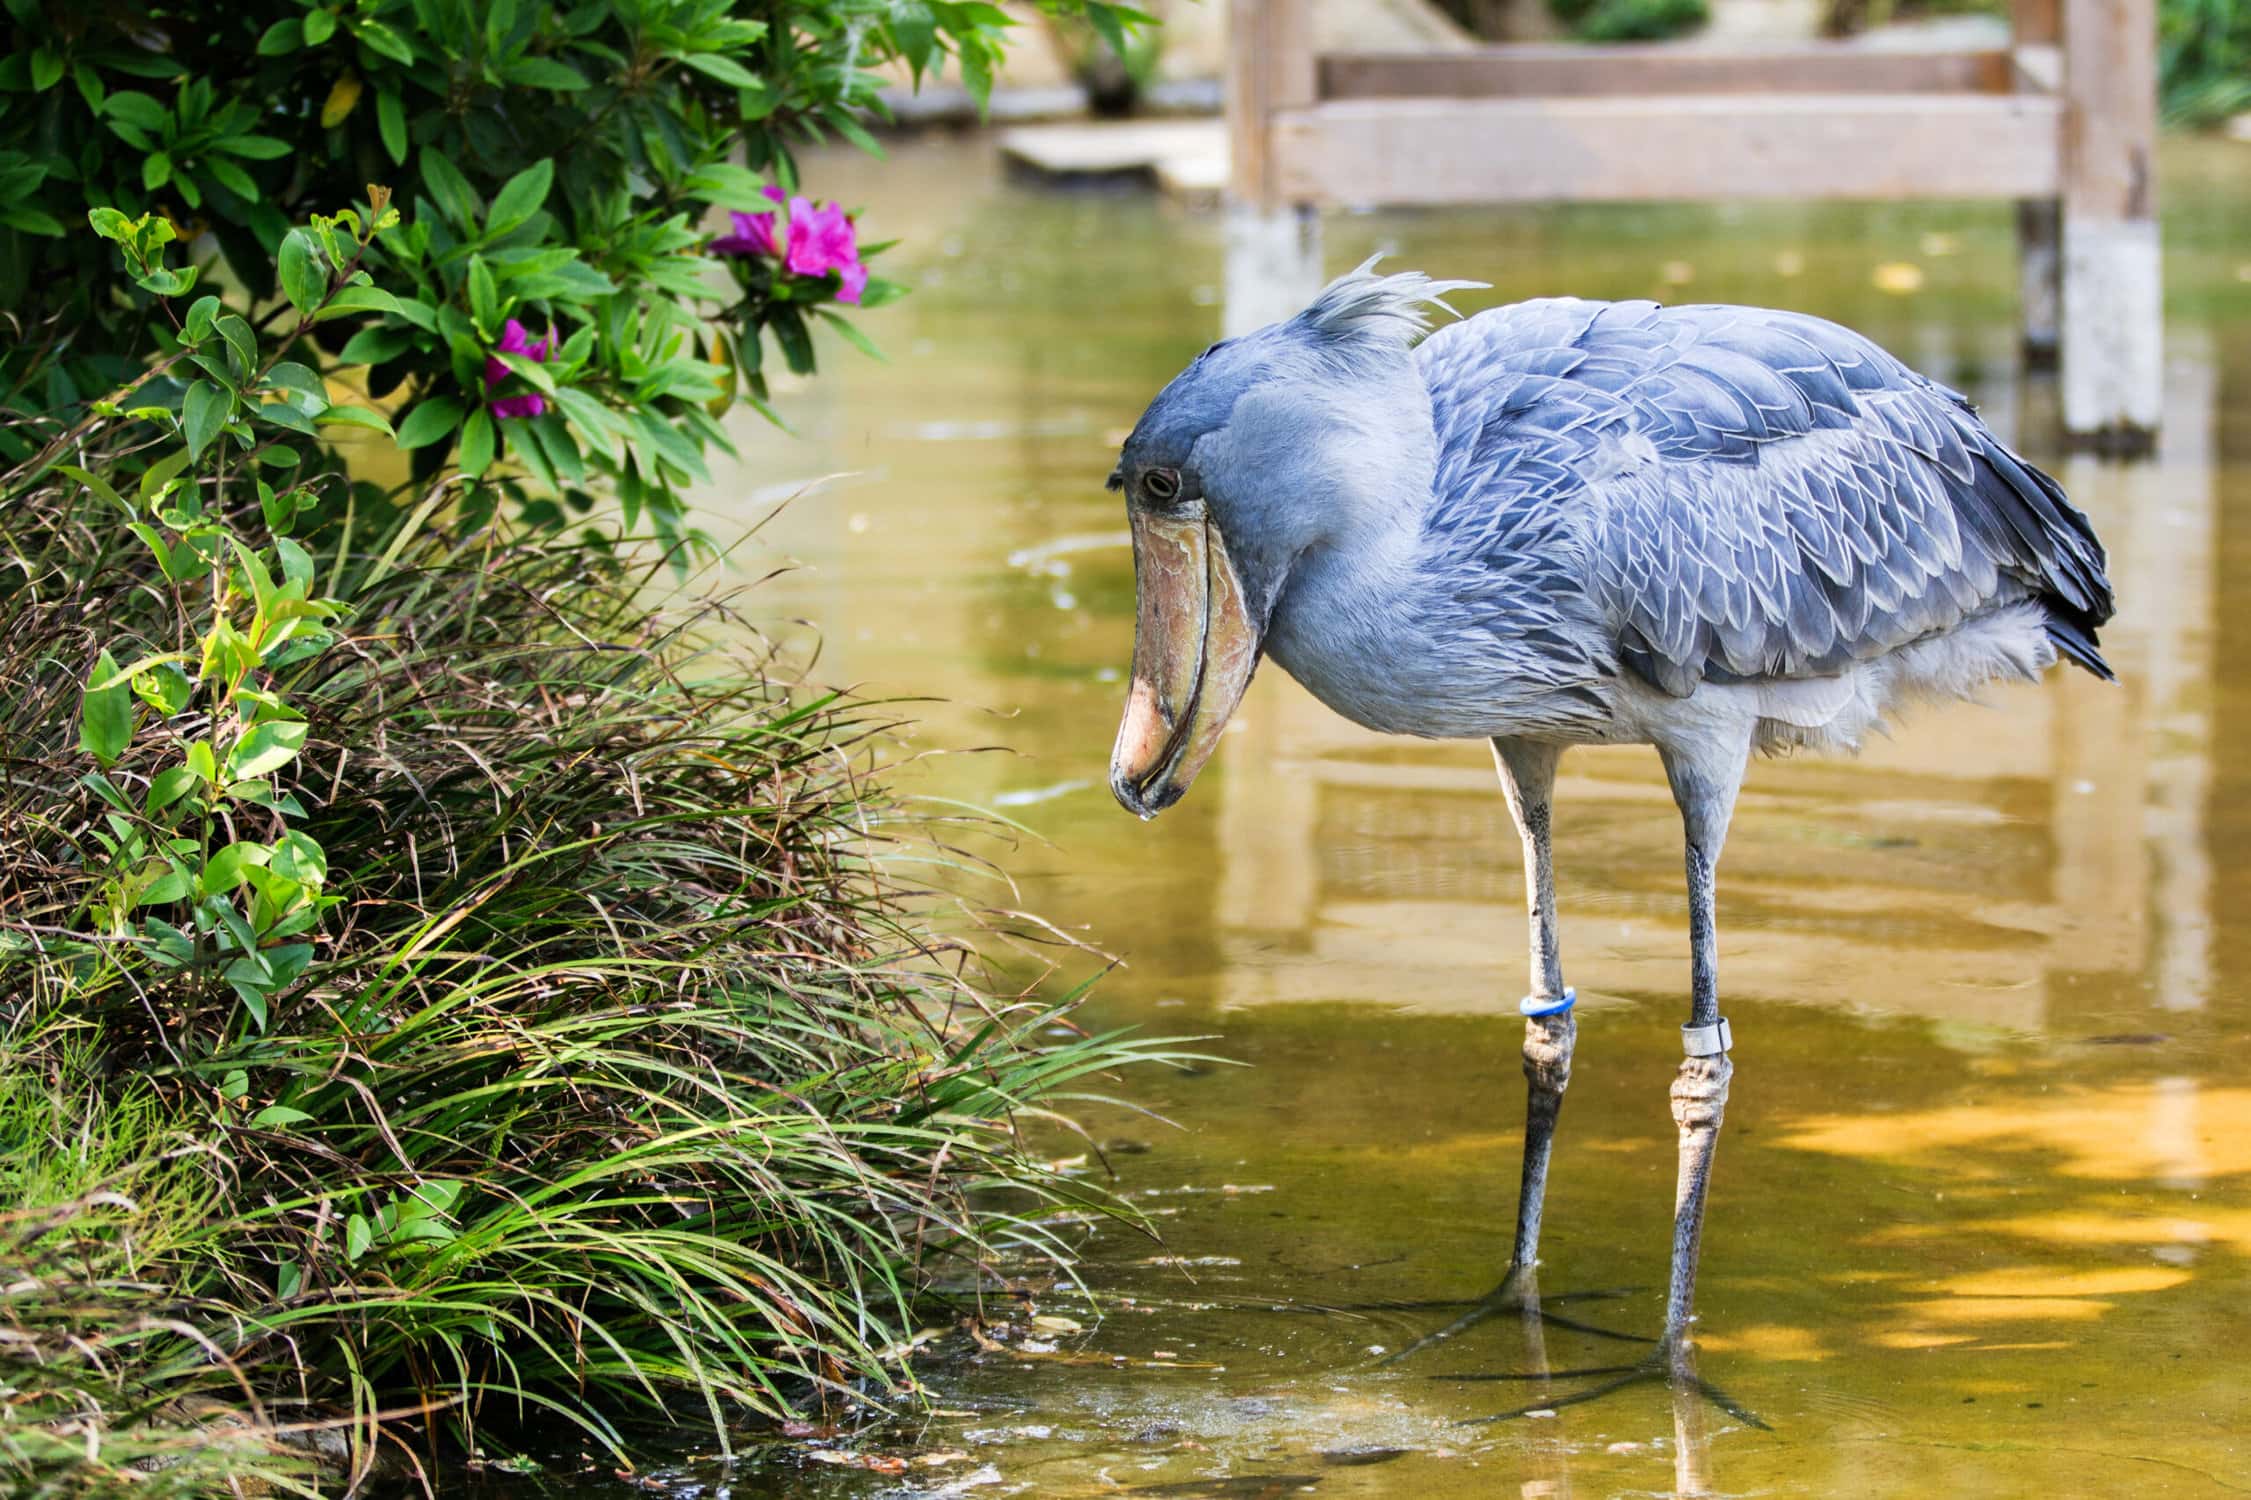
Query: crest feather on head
x=1363 y=311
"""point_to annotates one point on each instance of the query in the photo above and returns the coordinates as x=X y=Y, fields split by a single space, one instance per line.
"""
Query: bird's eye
x=1161 y=484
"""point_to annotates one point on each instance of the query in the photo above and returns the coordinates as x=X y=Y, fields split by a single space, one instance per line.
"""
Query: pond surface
x=1981 y=1222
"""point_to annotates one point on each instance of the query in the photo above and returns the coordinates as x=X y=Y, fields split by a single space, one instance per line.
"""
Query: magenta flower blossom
x=514 y=339
x=753 y=233
x=822 y=240
x=818 y=239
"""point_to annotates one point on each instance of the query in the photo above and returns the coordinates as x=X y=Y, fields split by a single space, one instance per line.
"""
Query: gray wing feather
x=1728 y=492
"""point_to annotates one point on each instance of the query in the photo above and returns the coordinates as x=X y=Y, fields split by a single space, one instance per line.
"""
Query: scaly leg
x=1528 y=780
x=1527 y=773
x=1705 y=786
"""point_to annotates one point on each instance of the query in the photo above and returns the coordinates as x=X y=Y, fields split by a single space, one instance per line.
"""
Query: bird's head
x=1267 y=448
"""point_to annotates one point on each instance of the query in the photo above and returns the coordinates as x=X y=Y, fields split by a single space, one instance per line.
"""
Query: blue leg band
x=1531 y=1007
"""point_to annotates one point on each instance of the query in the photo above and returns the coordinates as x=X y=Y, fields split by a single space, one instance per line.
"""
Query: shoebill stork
x=1714 y=530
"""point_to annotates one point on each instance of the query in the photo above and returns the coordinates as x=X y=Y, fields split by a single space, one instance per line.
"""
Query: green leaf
x=164 y=688
x=456 y=199
x=202 y=318
x=296 y=562
x=377 y=37
x=544 y=73
x=285 y=416
x=251 y=993
x=162 y=473
x=31 y=220
x=266 y=1119
x=267 y=747
x=390 y=119
x=297 y=857
x=168 y=787
x=355 y=416
x=46 y=70
x=170 y=886
x=357 y=299
x=304 y=280
x=202 y=414
x=1105 y=22
x=477 y=443
x=139 y=110
x=222 y=872
x=232 y=178
x=105 y=719
x=241 y=340
x=484 y=297
x=725 y=69
x=156 y=170
x=320 y=25
x=358 y=1235
x=372 y=346
x=284 y=36
x=520 y=197
x=202 y=763
x=431 y=421
x=297 y=377
x=591 y=418
x=253 y=147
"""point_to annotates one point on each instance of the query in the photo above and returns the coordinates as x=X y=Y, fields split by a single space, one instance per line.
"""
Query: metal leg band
x=1707 y=1041
x=1532 y=1007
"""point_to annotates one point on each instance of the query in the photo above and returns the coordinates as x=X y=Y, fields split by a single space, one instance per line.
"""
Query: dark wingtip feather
x=2077 y=643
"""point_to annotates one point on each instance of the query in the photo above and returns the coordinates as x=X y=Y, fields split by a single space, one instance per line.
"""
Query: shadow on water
x=1982 y=1215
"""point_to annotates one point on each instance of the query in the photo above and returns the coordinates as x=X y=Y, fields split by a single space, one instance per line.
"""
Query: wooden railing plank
x=1564 y=71
x=1877 y=146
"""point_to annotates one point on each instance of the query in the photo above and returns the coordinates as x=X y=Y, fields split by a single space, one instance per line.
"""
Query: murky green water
x=1982 y=1217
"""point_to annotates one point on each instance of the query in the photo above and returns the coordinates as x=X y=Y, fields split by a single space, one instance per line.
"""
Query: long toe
x=1663 y=1364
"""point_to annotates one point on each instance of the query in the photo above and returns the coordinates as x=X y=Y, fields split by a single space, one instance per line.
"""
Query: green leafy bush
x=491 y=993
x=1630 y=20
x=555 y=163
x=2203 y=60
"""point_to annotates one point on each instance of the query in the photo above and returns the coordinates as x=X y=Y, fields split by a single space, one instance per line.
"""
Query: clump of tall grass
x=625 y=1083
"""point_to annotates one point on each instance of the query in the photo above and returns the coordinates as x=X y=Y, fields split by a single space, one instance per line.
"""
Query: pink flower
x=514 y=339
x=753 y=233
x=818 y=239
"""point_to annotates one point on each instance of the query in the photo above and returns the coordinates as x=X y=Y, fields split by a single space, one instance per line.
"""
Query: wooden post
x=2112 y=325
x=2040 y=278
x=2035 y=28
x=1273 y=244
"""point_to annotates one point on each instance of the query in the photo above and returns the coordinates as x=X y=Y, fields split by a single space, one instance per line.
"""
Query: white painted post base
x=1273 y=265
x=2112 y=334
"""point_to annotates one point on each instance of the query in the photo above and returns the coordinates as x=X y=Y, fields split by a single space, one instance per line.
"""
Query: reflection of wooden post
x=2133 y=867
x=2111 y=329
x=1273 y=246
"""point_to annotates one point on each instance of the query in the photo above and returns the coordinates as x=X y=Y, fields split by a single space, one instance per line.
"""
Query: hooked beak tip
x=1134 y=796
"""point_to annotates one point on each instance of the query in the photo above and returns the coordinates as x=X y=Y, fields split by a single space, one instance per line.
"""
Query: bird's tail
x=2076 y=642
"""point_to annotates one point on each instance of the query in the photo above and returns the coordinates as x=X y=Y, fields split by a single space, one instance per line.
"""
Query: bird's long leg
x=1527 y=772
x=1528 y=781
x=1705 y=780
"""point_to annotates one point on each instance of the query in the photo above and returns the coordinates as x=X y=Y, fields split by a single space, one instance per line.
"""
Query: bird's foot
x=1672 y=1361
x=1519 y=1293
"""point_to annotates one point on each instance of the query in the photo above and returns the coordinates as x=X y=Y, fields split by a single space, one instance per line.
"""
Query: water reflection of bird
x=1709 y=529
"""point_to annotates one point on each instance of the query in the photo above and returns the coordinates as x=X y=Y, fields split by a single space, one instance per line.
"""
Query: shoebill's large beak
x=1194 y=649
